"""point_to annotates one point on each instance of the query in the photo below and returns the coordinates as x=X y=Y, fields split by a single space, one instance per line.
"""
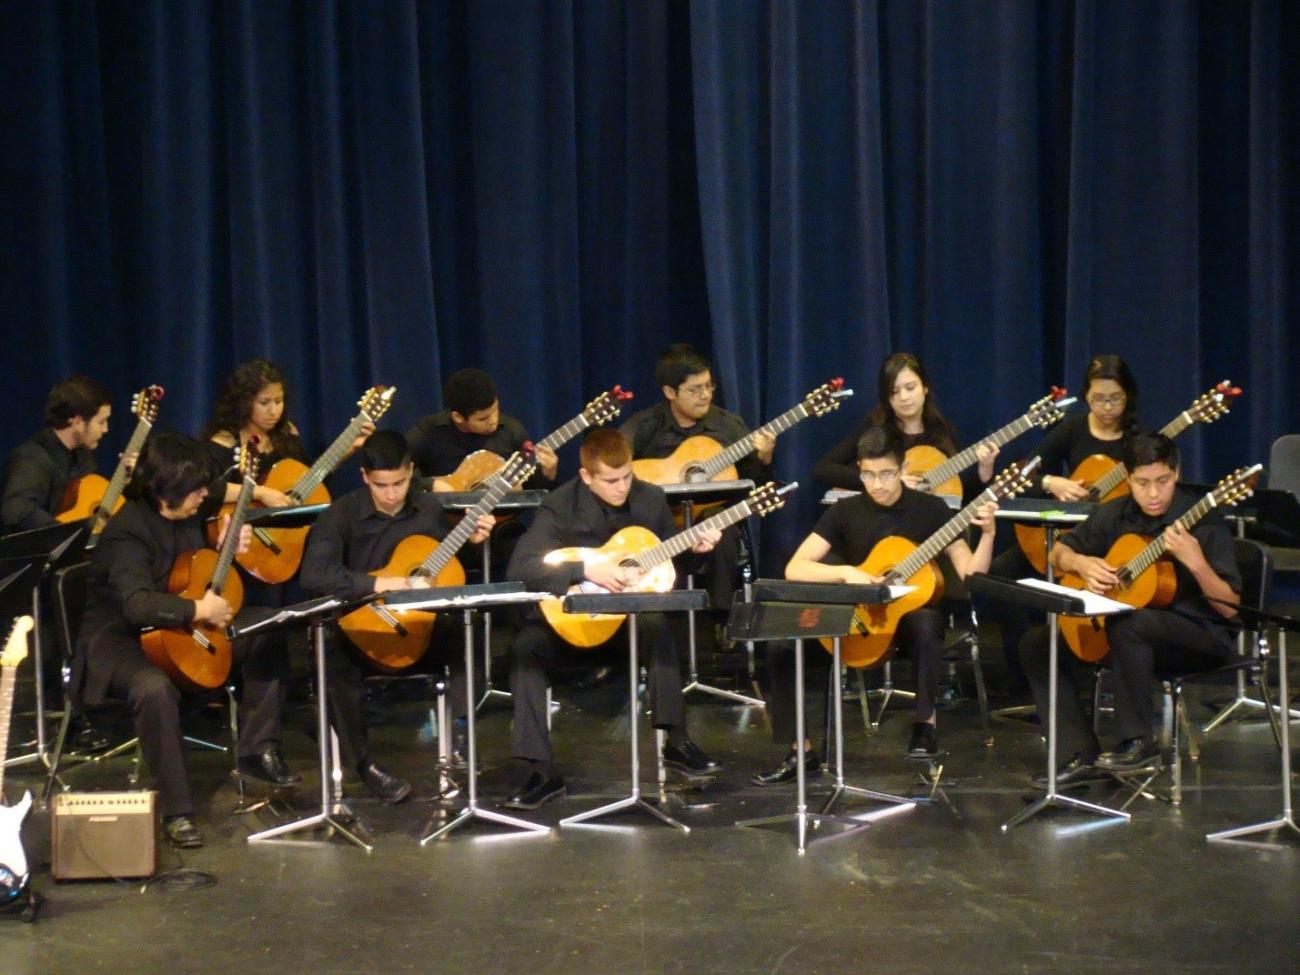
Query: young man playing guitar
x=602 y=500
x=39 y=471
x=173 y=492
x=842 y=540
x=348 y=545
x=687 y=410
x=1189 y=633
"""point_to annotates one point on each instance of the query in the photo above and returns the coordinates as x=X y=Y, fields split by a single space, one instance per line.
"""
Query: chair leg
x=865 y=703
x=1172 y=725
x=981 y=690
x=59 y=741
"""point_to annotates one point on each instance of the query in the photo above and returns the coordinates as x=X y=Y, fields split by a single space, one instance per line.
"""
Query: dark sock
x=677 y=737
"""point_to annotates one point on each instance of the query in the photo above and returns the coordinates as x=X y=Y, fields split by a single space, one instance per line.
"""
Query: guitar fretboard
x=743 y=447
x=1111 y=479
x=8 y=676
x=326 y=463
x=231 y=543
x=679 y=543
x=497 y=487
x=959 y=462
x=558 y=438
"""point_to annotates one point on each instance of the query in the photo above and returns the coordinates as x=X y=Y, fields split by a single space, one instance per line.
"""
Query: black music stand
x=1286 y=821
x=634 y=603
x=1054 y=605
x=802 y=611
x=688 y=495
x=52 y=547
x=333 y=811
x=513 y=501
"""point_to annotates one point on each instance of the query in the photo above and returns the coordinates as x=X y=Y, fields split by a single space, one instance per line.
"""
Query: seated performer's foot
x=387 y=787
x=686 y=756
x=85 y=738
x=1080 y=770
x=924 y=743
x=181 y=831
x=598 y=677
x=535 y=790
x=267 y=766
x=1134 y=753
x=788 y=770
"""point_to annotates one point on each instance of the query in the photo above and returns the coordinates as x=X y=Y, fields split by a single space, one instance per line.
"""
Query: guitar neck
x=679 y=543
x=231 y=543
x=558 y=438
x=960 y=461
x=8 y=676
x=440 y=557
x=1110 y=480
x=118 y=481
x=743 y=447
x=325 y=464
x=1153 y=551
x=929 y=550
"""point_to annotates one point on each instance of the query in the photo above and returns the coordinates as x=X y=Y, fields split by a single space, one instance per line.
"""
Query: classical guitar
x=940 y=472
x=1146 y=578
x=1107 y=479
x=13 y=861
x=477 y=467
x=900 y=562
x=276 y=553
x=702 y=458
x=637 y=547
x=92 y=496
x=197 y=656
x=396 y=638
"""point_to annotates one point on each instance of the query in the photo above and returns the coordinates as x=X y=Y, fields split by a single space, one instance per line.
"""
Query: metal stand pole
x=472 y=810
x=633 y=800
x=841 y=788
x=1287 y=819
x=490 y=693
x=1053 y=798
x=332 y=811
x=1019 y=711
x=694 y=683
x=802 y=818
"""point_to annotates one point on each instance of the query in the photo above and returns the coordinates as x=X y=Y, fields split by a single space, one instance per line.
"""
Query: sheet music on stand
x=835 y=495
x=1093 y=603
x=464 y=597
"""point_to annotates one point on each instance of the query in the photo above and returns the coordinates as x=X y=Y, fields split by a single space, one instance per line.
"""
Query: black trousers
x=155 y=701
x=920 y=634
x=346 y=669
x=533 y=651
x=1142 y=643
x=1013 y=621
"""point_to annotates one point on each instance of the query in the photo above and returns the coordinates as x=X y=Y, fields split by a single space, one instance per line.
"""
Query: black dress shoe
x=386 y=786
x=181 y=831
x=537 y=789
x=269 y=767
x=1074 y=773
x=788 y=770
x=1135 y=753
x=688 y=757
x=86 y=739
x=924 y=743
x=459 y=744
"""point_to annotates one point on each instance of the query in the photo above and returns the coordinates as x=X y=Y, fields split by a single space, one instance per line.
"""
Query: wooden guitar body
x=374 y=636
x=589 y=629
x=261 y=560
x=1155 y=588
x=195 y=656
x=83 y=497
x=874 y=626
x=923 y=458
x=1033 y=540
x=680 y=466
x=472 y=472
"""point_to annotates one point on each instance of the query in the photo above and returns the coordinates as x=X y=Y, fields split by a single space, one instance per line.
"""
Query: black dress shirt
x=1069 y=443
x=655 y=433
x=37 y=476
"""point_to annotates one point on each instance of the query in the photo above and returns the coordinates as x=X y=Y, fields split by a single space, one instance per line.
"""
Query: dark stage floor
x=930 y=889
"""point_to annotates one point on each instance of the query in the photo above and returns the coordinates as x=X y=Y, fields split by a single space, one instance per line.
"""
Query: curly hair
x=235 y=405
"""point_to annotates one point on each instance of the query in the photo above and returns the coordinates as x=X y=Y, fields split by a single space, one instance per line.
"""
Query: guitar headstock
x=375 y=401
x=766 y=498
x=246 y=459
x=1014 y=479
x=15 y=651
x=520 y=465
x=606 y=406
x=1237 y=486
x=144 y=404
x=1209 y=406
x=1050 y=408
x=826 y=397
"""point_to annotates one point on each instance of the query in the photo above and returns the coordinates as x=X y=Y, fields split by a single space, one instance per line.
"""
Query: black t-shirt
x=854 y=525
x=1124 y=516
x=437 y=447
x=655 y=433
x=1069 y=443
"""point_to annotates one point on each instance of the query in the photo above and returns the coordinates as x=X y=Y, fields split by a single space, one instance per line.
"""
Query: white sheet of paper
x=1093 y=604
x=898 y=592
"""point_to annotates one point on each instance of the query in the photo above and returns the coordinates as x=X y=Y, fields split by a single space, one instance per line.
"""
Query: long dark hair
x=235 y=405
x=938 y=431
x=1114 y=368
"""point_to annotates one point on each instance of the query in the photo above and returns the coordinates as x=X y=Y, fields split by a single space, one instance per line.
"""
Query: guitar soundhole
x=693 y=474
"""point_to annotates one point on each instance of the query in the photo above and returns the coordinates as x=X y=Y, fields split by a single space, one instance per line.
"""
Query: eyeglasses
x=700 y=389
x=883 y=478
x=1117 y=399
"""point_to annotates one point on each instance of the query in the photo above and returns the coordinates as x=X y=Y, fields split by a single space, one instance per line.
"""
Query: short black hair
x=468 y=391
x=76 y=396
x=172 y=465
x=1150 y=448
x=678 y=362
x=881 y=441
x=385 y=450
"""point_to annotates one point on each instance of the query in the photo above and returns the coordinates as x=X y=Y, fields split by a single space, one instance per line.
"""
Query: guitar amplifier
x=104 y=835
